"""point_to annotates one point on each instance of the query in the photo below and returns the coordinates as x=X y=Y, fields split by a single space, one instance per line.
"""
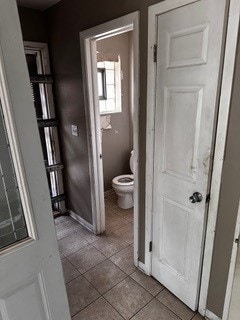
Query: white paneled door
x=189 y=41
x=31 y=279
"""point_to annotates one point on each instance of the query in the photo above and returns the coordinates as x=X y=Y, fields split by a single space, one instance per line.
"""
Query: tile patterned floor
x=101 y=279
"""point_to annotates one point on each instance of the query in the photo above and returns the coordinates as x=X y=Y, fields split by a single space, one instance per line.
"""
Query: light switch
x=74 y=130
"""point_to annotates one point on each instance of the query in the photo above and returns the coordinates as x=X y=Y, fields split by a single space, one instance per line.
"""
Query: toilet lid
x=124 y=180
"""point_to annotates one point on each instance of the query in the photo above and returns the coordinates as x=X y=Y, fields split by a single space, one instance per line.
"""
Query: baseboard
x=141 y=266
x=81 y=220
x=108 y=192
x=211 y=316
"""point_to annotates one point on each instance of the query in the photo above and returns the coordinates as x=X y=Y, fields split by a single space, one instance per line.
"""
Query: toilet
x=123 y=186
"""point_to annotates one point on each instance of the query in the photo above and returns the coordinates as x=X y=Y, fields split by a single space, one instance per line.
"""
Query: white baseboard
x=81 y=220
x=211 y=316
x=141 y=266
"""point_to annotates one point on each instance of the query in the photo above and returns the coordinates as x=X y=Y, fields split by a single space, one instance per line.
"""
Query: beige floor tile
x=74 y=225
x=98 y=310
x=61 y=219
x=126 y=214
x=86 y=258
x=63 y=230
x=174 y=304
x=111 y=207
x=87 y=235
x=112 y=197
x=71 y=244
x=128 y=298
x=114 y=222
x=197 y=317
x=148 y=283
x=126 y=233
x=124 y=260
x=70 y=273
x=109 y=244
x=80 y=294
x=154 y=310
x=105 y=276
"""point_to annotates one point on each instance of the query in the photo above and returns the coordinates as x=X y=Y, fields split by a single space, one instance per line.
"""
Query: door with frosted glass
x=31 y=279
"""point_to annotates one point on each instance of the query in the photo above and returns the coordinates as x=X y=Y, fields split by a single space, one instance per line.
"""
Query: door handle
x=196 y=197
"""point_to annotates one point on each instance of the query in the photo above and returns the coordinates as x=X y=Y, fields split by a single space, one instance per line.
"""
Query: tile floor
x=101 y=279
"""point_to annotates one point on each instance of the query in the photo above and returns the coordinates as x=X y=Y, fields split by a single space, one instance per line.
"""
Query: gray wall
x=229 y=201
x=117 y=142
x=33 y=25
x=65 y=20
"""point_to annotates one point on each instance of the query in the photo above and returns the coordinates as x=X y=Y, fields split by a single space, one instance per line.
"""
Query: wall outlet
x=74 y=130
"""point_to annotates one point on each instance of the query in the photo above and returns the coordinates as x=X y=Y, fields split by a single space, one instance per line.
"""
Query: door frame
x=88 y=38
x=220 y=141
x=233 y=284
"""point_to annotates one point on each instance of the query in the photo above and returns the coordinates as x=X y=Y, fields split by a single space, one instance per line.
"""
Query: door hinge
x=237 y=241
x=150 y=246
x=155 y=53
x=208 y=198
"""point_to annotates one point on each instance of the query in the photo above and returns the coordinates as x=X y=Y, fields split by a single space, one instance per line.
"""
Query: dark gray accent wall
x=228 y=206
x=65 y=20
x=117 y=142
x=33 y=25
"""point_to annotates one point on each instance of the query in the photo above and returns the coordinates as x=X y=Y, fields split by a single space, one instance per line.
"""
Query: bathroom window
x=109 y=86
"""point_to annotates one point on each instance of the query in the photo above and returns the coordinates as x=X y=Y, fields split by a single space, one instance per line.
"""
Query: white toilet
x=123 y=186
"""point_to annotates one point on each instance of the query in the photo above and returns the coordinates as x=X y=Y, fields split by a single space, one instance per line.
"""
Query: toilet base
x=125 y=201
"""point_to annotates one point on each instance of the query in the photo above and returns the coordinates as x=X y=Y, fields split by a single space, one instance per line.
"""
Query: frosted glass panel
x=12 y=223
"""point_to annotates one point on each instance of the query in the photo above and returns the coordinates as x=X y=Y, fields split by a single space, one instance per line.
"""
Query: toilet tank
x=131 y=161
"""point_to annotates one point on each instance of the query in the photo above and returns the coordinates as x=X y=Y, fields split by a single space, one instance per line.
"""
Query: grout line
x=75 y=251
x=122 y=226
x=113 y=307
x=145 y=287
x=82 y=273
x=171 y=309
x=102 y=294
x=142 y=308
x=75 y=314
x=136 y=283
x=196 y=312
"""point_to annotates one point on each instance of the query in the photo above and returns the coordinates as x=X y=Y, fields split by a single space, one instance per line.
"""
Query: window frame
x=104 y=83
x=117 y=88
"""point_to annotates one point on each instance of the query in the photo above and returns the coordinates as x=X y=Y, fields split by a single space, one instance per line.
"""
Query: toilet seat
x=124 y=180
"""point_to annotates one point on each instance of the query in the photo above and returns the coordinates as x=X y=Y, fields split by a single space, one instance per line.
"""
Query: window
x=12 y=222
x=102 y=90
x=109 y=86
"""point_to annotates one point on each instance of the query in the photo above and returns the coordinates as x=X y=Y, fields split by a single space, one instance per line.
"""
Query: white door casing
x=88 y=38
x=189 y=41
x=32 y=285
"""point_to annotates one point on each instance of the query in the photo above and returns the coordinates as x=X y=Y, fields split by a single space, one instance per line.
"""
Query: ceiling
x=37 y=4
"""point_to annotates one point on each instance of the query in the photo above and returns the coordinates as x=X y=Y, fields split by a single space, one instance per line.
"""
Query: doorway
x=41 y=81
x=93 y=75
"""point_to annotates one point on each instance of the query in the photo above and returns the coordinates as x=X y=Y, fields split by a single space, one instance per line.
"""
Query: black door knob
x=196 y=197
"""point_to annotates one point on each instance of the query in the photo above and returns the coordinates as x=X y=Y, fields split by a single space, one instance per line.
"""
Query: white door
x=31 y=279
x=189 y=41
